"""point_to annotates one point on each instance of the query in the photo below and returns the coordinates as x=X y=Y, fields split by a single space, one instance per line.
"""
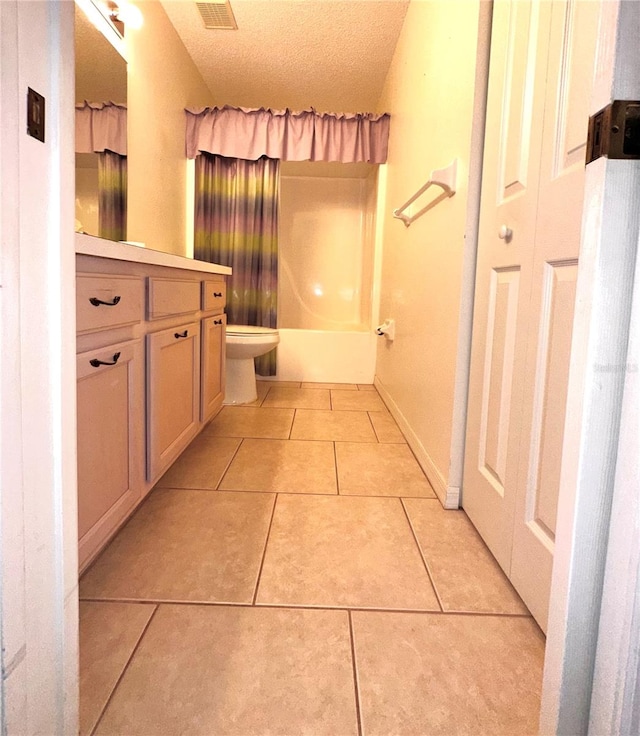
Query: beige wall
x=162 y=81
x=429 y=93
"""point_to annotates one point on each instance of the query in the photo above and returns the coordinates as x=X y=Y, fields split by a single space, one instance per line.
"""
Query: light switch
x=35 y=114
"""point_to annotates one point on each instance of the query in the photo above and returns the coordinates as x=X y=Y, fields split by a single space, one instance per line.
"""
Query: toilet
x=244 y=343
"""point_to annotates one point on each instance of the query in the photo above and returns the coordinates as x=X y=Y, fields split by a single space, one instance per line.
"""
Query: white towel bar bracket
x=445 y=178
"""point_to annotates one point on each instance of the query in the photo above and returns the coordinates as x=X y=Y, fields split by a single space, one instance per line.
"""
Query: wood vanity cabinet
x=214 y=298
x=212 y=362
x=185 y=366
x=150 y=375
x=173 y=394
x=110 y=440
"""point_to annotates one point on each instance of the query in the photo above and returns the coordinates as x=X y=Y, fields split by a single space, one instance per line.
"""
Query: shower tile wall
x=326 y=253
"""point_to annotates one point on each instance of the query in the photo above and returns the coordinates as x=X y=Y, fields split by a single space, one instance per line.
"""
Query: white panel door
x=572 y=45
x=522 y=368
x=509 y=200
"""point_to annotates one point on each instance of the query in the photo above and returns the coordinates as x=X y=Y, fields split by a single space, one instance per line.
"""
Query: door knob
x=505 y=233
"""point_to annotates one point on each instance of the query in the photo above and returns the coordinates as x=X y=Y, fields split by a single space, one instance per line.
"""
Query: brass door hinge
x=614 y=131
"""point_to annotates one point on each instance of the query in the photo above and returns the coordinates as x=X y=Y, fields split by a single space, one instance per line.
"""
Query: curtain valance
x=238 y=132
x=101 y=126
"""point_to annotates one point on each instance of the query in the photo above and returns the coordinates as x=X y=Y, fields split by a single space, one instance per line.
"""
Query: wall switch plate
x=35 y=114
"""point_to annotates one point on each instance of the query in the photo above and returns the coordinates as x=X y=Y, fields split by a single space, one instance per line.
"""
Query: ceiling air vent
x=217 y=14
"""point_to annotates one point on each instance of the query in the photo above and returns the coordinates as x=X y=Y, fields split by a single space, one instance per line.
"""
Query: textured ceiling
x=329 y=54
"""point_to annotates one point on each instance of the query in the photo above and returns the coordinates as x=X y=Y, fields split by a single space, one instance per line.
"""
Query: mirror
x=101 y=179
x=160 y=82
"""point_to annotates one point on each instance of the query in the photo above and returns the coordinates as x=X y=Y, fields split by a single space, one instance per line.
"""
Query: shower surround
x=327 y=301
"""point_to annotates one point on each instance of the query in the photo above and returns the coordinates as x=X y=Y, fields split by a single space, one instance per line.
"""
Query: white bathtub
x=326 y=356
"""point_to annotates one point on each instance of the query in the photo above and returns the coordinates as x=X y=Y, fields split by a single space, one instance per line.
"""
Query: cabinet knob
x=181 y=334
x=217 y=321
x=97 y=363
x=97 y=302
x=217 y=293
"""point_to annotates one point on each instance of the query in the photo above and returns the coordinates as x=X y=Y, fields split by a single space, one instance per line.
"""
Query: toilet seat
x=249 y=331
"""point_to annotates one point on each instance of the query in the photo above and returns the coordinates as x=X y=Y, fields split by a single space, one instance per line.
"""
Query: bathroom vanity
x=150 y=372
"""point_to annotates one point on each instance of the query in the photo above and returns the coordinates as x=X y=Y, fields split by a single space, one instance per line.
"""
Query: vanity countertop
x=88 y=245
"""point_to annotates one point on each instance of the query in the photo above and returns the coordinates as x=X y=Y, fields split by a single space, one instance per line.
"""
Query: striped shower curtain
x=236 y=224
x=112 y=195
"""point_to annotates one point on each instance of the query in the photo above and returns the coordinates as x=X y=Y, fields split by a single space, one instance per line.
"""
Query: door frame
x=38 y=495
x=453 y=498
x=589 y=540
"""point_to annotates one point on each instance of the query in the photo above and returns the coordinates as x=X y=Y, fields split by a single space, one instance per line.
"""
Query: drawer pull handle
x=97 y=302
x=217 y=321
x=97 y=363
x=181 y=334
x=217 y=293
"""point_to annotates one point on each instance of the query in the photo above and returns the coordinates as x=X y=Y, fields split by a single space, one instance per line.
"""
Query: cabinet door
x=173 y=394
x=110 y=441
x=213 y=354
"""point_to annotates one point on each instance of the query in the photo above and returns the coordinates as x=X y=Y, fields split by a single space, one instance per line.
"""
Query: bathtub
x=326 y=356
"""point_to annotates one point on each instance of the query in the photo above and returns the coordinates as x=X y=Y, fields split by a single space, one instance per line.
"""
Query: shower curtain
x=112 y=196
x=236 y=224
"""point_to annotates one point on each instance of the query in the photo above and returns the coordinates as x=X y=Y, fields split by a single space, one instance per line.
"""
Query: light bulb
x=130 y=15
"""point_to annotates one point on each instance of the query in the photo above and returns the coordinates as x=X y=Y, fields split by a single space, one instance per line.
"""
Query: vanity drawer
x=104 y=301
x=214 y=295
x=168 y=297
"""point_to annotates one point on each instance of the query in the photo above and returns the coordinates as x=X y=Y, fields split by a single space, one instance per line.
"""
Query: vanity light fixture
x=124 y=15
x=114 y=17
x=98 y=14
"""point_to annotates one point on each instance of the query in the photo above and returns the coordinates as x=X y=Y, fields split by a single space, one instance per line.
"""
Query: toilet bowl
x=244 y=343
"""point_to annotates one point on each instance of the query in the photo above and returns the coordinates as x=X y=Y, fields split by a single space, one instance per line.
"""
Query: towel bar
x=445 y=178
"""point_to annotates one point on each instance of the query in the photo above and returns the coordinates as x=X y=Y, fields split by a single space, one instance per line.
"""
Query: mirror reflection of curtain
x=236 y=224
x=112 y=196
x=101 y=129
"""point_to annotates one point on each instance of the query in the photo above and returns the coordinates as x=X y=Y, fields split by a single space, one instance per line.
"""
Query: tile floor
x=294 y=573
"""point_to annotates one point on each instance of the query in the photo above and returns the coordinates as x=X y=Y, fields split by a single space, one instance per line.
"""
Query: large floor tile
x=356 y=401
x=347 y=426
x=464 y=572
x=341 y=386
x=109 y=633
x=202 y=464
x=447 y=674
x=386 y=428
x=369 y=469
x=259 y=422
x=185 y=546
x=297 y=398
x=237 y=672
x=339 y=551
x=280 y=384
x=284 y=466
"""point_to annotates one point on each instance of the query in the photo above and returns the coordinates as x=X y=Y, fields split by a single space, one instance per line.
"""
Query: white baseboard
x=448 y=496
